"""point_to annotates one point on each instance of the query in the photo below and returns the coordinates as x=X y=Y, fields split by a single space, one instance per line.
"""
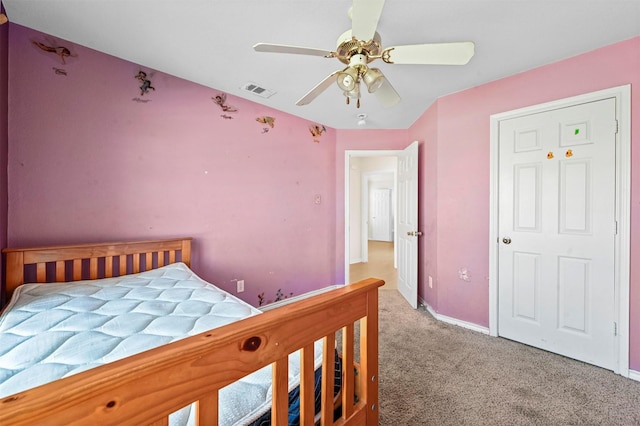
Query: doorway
x=371 y=216
x=553 y=168
x=405 y=225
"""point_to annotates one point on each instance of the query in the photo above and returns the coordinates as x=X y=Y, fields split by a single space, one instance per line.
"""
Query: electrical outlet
x=240 y=286
x=430 y=281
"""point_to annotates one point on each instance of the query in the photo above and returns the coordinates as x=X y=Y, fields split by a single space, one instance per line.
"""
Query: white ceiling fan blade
x=320 y=87
x=283 y=48
x=365 y=15
x=387 y=95
x=431 y=54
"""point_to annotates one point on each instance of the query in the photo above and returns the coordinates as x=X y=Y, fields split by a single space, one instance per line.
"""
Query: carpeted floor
x=433 y=373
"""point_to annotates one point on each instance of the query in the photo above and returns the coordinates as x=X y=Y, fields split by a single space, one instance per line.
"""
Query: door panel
x=575 y=194
x=408 y=224
x=557 y=231
x=573 y=287
x=526 y=285
x=527 y=197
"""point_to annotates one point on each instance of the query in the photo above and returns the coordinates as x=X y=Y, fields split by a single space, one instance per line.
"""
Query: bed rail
x=146 y=388
x=91 y=261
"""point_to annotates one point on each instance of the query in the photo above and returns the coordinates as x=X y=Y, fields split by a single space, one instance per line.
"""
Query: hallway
x=380 y=265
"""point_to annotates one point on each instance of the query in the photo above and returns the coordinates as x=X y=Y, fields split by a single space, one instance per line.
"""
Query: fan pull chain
x=357 y=101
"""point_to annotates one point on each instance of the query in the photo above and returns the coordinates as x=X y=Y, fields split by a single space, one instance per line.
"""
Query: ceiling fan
x=361 y=45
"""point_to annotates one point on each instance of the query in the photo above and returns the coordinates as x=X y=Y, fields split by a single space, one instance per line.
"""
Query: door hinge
x=615 y=227
x=616 y=127
x=615 y=328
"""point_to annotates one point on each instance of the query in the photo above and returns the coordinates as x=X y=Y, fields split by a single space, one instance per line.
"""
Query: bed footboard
x=146 y=388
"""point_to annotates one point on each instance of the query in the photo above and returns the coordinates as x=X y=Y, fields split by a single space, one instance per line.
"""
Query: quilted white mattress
x=53 y=331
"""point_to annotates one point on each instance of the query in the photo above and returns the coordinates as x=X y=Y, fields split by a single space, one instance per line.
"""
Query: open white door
x=408 y=233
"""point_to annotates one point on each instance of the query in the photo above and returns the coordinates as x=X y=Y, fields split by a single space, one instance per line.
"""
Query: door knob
x=414 y=233
x=506 y=240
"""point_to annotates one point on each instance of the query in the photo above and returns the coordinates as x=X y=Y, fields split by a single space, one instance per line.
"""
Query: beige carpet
x=380 y=265
x=433 y=373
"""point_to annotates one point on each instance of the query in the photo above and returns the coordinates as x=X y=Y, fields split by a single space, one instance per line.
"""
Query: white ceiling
x=210 y=42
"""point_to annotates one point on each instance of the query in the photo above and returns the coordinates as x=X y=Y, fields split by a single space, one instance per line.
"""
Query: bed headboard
x=90 y=261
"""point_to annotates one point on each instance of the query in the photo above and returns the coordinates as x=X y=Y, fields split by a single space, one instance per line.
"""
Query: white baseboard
x=454 y=321
x=634 y=375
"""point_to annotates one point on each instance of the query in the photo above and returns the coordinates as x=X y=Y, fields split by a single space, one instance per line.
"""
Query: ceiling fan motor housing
x=349 y=46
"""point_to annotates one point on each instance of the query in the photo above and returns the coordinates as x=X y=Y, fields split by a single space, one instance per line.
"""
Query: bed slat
x=41 y=272
x=60 y=271
x=307 y=386
x=108 y=267
x=348 y=377
x=123 y=264
x=280 y=395
x=328 y=361
x=207 y=409
x=93 y=268
x=77 y=269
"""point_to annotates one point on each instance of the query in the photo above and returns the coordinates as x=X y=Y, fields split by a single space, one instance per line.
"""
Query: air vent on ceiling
x=257 y=90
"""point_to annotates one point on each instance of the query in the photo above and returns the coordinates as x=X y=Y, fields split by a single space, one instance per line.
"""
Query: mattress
x=51 y=331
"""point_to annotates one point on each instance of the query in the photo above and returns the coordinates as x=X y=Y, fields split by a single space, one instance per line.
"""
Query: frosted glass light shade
x=373 y=78
x=348 y=79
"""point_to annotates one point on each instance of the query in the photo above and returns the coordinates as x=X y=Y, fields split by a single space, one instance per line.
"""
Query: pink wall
x=425 y=130
x=4 y=136
x=462 y=166
x=88 y=163
x=4 y=71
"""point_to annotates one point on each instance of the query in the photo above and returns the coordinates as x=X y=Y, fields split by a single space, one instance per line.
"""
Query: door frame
x=348 y=154
x=622 y=95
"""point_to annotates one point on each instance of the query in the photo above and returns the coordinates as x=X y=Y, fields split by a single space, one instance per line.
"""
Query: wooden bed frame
x=147 y=387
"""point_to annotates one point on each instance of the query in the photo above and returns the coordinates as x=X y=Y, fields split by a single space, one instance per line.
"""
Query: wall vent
x=257 y=90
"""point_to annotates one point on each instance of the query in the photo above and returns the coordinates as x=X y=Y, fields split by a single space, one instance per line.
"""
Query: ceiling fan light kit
x=361 y=45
